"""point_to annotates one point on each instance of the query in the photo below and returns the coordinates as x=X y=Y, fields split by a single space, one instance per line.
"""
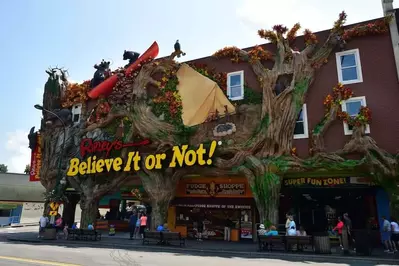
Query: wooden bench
x=83 y=234
x=152 y=236
x=166 y=237
x=268 y=242
x=300 y=241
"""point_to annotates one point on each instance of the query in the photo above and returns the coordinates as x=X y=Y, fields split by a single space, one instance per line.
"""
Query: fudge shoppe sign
x=213 y=189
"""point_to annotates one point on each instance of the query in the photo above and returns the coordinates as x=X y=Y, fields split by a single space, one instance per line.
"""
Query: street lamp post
x=59 y=179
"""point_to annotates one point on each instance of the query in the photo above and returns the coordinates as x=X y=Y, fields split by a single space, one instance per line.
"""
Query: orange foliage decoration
x=342 y=93
x=232 y=52
x=258 y=53
x=75 y=93
x=378 y=27
x=291 y=35
x=309 y=37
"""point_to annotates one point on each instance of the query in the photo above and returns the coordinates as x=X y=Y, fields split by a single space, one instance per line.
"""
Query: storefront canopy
x=200 y=96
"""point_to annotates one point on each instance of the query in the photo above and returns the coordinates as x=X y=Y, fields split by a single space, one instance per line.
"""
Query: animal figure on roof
x=32 y=136
x=131 y=56
x=178 y=52
x=101 y=74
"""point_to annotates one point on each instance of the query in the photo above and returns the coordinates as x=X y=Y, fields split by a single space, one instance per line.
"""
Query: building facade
x=364 y=67
x=367 y=66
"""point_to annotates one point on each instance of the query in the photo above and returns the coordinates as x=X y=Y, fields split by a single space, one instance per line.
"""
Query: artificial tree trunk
x=160 y=187
x=89 y=206
x=284 y=88
x=265 y=185
x=68 y=213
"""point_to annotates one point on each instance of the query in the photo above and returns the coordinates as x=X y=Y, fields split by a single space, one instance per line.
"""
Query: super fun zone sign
x=182 y=156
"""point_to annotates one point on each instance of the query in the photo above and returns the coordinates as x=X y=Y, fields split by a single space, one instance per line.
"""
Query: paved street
x=21 y=254
x=58 y=254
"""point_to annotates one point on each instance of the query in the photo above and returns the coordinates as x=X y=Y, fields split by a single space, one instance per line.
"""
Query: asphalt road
x=17 y=254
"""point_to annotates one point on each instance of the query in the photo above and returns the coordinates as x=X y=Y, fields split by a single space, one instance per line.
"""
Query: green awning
x=8 y=205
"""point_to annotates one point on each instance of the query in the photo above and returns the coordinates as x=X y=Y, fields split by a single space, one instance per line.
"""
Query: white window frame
x=358 y=66
x=77 y=110
x=362 y=99
x=241 y=73
x=305 y=134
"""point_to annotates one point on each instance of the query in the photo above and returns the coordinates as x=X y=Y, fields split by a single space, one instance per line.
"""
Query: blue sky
x=76 y=34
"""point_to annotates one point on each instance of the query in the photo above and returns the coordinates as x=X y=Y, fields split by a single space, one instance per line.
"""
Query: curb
x=233 y=253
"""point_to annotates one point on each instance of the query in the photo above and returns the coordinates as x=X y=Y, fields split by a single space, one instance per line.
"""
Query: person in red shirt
x=338 y=228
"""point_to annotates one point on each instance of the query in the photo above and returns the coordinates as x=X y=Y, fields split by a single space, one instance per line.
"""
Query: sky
x=76 y=34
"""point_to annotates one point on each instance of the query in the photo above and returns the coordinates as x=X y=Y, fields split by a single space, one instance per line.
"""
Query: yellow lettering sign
x=331 y=181
x=182 y=156
x=53 y=213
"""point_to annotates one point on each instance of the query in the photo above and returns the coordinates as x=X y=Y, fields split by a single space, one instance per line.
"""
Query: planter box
x=49 y=234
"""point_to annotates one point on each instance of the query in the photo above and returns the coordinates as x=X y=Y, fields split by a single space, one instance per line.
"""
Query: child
x=65 y=231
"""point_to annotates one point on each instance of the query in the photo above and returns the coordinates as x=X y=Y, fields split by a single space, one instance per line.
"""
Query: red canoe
x=105 y=87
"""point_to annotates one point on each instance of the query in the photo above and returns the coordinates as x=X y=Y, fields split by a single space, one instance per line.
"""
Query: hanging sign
x=212 y=189
x=181 y=156
x=36 y=160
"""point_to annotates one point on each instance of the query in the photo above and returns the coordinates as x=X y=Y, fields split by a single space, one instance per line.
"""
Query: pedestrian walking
x=143 y=224
x=132 y=224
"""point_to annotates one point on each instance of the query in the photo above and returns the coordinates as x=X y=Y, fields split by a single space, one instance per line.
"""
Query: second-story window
x=352 y=107
x=349 y=67
x=301 y=126
x=235 y=85
x=76 y=113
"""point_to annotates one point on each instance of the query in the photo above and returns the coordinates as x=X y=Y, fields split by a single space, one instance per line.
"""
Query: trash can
x=363 y=242
x=321 y=242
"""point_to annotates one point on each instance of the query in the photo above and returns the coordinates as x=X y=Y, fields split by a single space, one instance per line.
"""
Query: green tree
x=27 y=169
x=3 y=168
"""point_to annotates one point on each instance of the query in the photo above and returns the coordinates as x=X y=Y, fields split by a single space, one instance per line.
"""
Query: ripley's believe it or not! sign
x=181 y=156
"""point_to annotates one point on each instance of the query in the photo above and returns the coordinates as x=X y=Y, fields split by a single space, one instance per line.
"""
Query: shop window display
x=214 y=222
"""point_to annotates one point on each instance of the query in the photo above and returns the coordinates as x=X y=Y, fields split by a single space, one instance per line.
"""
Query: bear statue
x=101 y=74
x=131 y=56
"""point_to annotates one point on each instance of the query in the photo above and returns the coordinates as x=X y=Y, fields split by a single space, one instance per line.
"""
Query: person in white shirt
x=394 y=233
x=386 y=235
x=43 y=221
x=262 y=230
x=291 y=227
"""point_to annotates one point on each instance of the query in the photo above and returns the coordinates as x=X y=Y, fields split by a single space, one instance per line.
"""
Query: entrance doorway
x=317 y=209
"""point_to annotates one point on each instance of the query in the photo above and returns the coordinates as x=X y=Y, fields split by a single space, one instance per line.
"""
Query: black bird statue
x=178 y=51
x=32 y=136
x=131 y=56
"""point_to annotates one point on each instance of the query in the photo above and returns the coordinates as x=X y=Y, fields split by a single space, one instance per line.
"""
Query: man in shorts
x=43 y=221
x=386 y=235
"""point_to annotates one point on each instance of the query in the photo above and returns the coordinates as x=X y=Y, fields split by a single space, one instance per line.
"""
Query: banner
x=36 y=160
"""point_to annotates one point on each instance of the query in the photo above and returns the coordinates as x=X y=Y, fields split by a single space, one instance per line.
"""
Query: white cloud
x=313 y=14
x=17 y=150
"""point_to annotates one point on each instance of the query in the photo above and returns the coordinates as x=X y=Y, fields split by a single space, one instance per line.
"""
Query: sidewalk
x=208 y=248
